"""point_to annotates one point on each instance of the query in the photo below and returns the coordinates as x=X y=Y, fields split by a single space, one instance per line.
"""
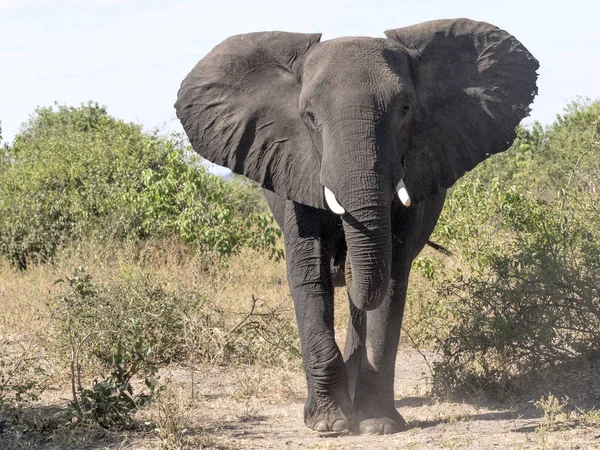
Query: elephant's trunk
x=368 y=237
x=360 y=176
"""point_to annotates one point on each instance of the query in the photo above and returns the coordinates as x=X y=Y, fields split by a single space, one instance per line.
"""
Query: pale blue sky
x=132 y=55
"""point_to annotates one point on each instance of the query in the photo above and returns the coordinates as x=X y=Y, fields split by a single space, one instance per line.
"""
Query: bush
x=128 y=328
x=523 y=292
x=183 y=200
x=111 y=401
x=68 y=172
x=78 y=173
x=148 y=325
x=540 y=160
x=134 y=317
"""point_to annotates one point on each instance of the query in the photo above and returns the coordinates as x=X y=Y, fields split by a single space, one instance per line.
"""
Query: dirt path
x=262 y=408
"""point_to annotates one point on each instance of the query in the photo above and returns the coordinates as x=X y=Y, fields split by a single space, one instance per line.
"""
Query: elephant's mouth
x=335 y=206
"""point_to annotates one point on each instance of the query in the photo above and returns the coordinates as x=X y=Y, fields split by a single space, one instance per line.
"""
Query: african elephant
x=355 y=141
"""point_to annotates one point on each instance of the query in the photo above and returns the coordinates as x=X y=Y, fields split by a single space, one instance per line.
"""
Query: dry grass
x=25 y=316
x=242 y=406
x=23 y=295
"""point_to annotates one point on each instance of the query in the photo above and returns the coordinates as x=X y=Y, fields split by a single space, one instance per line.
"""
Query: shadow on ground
x=44 y=428
x=577 y=382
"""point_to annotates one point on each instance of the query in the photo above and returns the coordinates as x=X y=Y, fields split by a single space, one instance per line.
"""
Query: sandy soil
x=262 y=408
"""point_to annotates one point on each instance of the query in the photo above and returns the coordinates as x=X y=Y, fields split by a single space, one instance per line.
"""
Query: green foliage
x=3 y=152
x=69 y=169
x=182 y=199
x=541 y=160
x=76 y=173
x=111 y=401
x=522 y=292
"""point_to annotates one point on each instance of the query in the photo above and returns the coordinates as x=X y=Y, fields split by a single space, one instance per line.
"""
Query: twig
x=234 y=329
x=73 y=391
x=229 y=333
x=414 y=344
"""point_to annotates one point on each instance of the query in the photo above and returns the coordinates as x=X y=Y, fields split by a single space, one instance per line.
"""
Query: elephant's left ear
x=474 y=84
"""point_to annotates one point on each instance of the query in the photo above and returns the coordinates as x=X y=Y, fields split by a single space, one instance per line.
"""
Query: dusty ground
x=262 y=408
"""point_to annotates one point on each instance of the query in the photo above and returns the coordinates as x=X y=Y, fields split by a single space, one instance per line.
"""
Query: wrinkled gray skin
x=356 y=115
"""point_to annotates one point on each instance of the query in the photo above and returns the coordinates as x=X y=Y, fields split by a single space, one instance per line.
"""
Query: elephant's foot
x=327 y=415
x=378 y=417
x=382 y=425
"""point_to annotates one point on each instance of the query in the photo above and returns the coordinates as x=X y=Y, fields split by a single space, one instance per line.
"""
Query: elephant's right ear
x=239 y=108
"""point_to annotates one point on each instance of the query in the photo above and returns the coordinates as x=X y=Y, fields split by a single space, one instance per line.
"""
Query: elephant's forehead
x=358 y=59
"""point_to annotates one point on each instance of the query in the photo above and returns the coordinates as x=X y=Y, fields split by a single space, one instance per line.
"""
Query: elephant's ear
x=474 y=83
x=239 y=108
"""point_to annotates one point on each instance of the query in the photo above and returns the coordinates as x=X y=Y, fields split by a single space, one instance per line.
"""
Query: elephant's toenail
x=321 y=425
x=369 y=429
x=339 y=425
x=392 y=428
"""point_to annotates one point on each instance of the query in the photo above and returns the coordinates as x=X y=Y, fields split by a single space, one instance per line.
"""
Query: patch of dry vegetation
x=238 y=312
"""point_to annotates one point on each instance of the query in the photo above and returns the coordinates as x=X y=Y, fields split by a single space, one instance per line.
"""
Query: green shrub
x=183 y=200
x=68 y=172
x=111 y=401
x=522 y=291
x=78 y=173
x=144 y=322
x=542 y=159
x=127 y=328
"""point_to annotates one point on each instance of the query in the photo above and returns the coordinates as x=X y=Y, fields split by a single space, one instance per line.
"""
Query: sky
x=132 y=55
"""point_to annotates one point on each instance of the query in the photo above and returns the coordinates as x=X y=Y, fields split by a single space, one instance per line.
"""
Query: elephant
x=355 y=141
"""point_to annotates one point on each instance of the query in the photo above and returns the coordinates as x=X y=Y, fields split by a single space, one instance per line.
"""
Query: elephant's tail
x=439 y=248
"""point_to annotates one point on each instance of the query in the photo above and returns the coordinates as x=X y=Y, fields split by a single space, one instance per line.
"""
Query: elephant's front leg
x=373 y=336
x=307 y=233
x=376 y=336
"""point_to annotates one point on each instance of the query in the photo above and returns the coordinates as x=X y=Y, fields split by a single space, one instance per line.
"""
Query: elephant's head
x=353 y=122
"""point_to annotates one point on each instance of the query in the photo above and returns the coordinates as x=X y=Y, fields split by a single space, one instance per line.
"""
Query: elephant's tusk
x=333 y=203
x=403 y=193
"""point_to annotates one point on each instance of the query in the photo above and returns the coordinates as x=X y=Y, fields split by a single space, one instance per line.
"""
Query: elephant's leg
x=370 y=355
x=373 y=394
x=373 y=336
x=307 y=233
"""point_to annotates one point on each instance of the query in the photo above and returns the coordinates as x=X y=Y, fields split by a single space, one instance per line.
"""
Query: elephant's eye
x=404 y=110
x=311 y=120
